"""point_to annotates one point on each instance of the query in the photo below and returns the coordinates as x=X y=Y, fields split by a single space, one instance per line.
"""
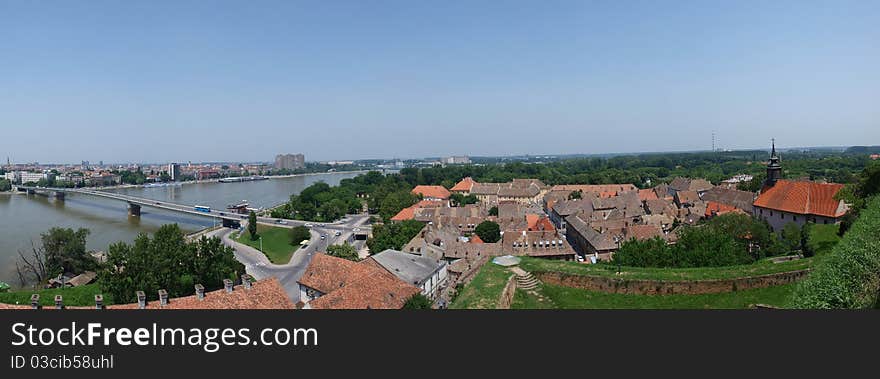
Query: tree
x=299 y=234
x=252 y=225
x=32 y=269
x=493 y=211
x=166 y=261
x=65 y=251
x=344 y=251
x=458 y=199
x=418 y=301
x=575 y=195
x=488 y=231
x=393 y=236
x=5 y=185
x=791 y=237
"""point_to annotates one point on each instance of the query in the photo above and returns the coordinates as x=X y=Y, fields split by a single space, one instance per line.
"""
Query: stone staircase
x=525 y=280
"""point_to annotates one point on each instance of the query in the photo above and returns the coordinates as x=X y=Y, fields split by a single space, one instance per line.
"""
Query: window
x=795 y=218
x=782 y=216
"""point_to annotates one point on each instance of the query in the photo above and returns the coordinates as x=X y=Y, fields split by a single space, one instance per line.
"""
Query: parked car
x=338 y=233
x=323 y=236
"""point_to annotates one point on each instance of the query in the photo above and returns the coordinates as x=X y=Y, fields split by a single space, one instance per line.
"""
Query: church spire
x=774 y=169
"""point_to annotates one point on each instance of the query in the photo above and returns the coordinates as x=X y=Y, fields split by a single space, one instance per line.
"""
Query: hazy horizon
x=225 y=81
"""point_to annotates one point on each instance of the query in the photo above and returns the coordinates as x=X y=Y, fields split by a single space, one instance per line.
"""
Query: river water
x=26 y=216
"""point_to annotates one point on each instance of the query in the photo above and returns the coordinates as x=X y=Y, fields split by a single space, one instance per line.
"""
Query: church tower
x=774 y=170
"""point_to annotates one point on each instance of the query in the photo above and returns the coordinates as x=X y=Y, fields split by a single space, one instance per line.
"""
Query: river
x=26 y=216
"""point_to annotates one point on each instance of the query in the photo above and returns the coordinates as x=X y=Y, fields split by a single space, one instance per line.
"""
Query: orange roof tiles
x=802 y=197
x=643 y=232
x=437 y=192
x=647 y=194
x=717 y=209
x=408 y=213
x=464 y=185
x=354 y=285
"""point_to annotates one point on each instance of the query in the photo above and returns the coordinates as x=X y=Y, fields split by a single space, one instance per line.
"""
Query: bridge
x=230 y=219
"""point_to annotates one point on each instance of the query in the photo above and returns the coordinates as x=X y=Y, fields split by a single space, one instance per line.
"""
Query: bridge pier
x=31 y=191
x=59 y=195
x=134 y=210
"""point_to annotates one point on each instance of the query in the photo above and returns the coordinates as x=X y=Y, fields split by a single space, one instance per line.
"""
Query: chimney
x=142 y=299
x=163 y=297
x=99 y=301
x=246 y=280
x=35 y=301
x=227 y=283
x=59 y=302
x=200 y=291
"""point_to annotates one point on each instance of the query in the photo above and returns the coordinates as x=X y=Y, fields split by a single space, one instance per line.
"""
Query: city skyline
x=169 y=81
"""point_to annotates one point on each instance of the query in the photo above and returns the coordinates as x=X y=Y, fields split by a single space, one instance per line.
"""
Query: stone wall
x=507 y=294
x=662 y=287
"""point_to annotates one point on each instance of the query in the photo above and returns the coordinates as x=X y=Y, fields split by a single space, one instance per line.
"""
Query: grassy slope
x=823 y=238
x=276 y=243
x=485 y=289
x=77 y=296
x=703 y=273
x=571 y=298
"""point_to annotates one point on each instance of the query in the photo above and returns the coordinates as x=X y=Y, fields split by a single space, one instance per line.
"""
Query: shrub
x=849 y=277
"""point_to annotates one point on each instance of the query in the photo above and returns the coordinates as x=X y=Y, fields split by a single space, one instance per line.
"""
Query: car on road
x=158 y=203
x=281 y=222
x=309 y=225
x=356 y=229
x=323 y=236
x=321 y=225
x=222 y=214
x=338 y=233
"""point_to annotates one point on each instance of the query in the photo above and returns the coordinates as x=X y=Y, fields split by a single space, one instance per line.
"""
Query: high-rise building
x=174 y=171
x=457 y=160
x=290 y=161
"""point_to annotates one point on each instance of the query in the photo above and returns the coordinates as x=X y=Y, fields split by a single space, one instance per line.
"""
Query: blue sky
x=205 y=81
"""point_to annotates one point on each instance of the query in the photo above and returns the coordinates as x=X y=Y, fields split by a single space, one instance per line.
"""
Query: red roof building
x=336 y=283
x=464 y=186
x=799 y=201
x=431 y=192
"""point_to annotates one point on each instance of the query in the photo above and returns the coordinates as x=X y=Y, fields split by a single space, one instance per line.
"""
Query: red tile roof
x=717 y=209
x=464 y=185
x=802 y=197
x=647 y=194
x=408 y=213
x=354 y=285
x=437 y=192
x=475 y=239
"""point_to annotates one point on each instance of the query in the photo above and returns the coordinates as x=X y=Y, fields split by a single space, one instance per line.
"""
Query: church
x=783 y=201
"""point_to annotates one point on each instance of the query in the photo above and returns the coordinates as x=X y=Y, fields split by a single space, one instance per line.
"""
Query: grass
x=485 y=289
x=276 y=243
x=556 y=297
x=823 y=238
x=762 y=267
x=75 y=296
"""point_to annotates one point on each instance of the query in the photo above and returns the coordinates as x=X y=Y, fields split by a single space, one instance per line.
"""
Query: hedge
x=849 y=277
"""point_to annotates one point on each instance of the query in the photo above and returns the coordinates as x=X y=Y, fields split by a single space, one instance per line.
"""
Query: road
x=257 y=265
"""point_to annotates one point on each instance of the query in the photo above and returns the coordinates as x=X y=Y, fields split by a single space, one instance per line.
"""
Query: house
x=464 y=186
x=730 y=197
x=336 y=283
x=688 y=184
x=586 y=241
x=643 y=232
x=537 y=243
x=428 y=274
x=799 y=202
x=409 y=213
x=525 y=191
x=783 y=201
x=431 y=192
x=486 y=193
x=716 y=209
x=686 y=198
